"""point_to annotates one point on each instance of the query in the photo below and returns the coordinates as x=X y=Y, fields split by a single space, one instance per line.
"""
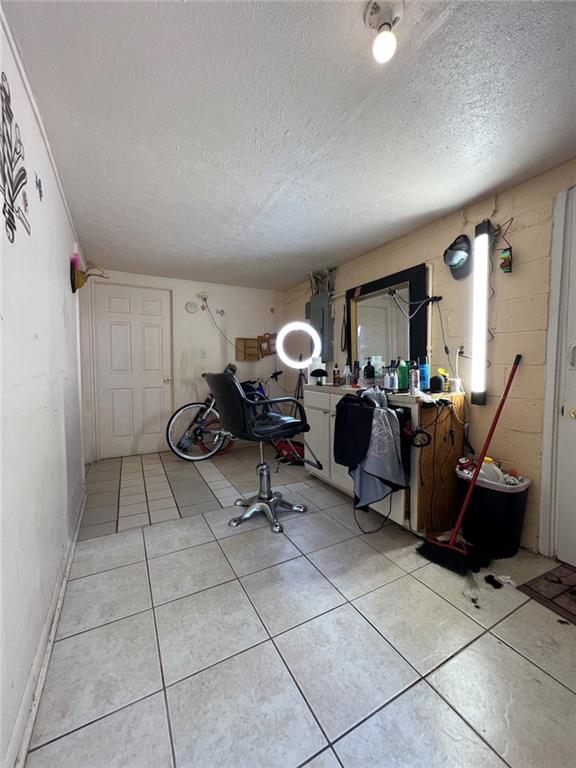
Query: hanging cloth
x=381 y=471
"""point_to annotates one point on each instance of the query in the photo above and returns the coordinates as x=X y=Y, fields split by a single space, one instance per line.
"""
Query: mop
x=454 y=555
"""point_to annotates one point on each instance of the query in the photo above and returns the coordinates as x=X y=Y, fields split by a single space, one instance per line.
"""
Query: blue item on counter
x=424 y=377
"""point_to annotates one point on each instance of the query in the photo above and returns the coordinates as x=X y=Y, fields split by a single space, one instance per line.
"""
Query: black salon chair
x=258 y=421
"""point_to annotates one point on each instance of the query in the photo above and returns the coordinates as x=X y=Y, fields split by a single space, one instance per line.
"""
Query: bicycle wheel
x=194 y=433
x=213 y=424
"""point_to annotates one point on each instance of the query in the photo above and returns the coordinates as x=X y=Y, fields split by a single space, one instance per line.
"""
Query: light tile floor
x=190 y=644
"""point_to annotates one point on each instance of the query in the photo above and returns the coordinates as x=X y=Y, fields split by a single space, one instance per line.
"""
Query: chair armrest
x=274 y=401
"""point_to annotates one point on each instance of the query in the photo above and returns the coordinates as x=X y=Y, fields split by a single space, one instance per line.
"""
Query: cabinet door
x=319 y=440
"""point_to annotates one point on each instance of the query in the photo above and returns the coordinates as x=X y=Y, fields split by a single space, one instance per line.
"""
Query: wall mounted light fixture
x=458 y=256
x=79 y=276
x=383 y=18
x=482 y=247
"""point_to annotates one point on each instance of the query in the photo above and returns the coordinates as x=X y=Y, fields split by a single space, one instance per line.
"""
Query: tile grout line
x=486 y=630
x=106 y=570
x=472 y=728
x=324 y=734
x=419 y=677
x=172 y=489
x=95 y=720
x=146 y=495
x=165 y=476
x=349 y=602
x=508 y=644
x=470 y=616
x=160 y=663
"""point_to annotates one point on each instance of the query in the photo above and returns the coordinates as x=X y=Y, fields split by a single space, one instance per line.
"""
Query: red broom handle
x=483 y=452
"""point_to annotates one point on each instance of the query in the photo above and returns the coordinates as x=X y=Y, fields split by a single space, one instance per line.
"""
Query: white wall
x=41 y=441
x=197 y=346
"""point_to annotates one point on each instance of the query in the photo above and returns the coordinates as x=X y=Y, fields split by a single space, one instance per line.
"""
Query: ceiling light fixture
x=383 y=17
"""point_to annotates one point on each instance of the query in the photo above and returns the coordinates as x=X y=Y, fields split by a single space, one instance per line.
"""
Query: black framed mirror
x=377 y=327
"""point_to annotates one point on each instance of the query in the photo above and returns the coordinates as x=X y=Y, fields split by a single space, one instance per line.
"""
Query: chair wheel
x=234 y=522
x=299 y=508
x=277 y=527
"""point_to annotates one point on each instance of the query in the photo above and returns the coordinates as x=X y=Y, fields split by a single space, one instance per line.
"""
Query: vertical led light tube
x=480 y=311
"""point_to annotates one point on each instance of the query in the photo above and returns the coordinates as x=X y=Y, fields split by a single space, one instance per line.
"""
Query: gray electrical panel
x=319 y=313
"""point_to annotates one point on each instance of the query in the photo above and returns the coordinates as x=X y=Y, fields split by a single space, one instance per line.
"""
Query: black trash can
x=493 y=522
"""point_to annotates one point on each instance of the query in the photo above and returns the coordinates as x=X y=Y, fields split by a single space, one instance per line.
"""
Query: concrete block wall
x=518 y=312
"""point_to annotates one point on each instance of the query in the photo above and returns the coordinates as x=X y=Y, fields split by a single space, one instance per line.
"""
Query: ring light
x=298 y=326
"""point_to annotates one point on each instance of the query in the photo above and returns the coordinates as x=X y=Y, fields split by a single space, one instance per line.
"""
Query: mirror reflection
x=382 y=330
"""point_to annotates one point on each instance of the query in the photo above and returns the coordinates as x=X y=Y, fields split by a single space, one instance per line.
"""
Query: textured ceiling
x=250 y=142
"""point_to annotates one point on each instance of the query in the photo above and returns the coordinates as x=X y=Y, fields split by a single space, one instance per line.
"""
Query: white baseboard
x=15 y=756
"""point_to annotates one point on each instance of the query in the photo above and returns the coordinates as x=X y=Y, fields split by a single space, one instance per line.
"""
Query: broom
x=452 y=555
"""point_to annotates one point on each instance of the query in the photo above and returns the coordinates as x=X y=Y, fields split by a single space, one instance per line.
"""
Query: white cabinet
x=338 y=473
x=321 y=414
x=433 y=492
x=319 y=439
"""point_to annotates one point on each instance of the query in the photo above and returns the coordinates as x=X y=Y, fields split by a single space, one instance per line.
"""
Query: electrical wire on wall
x=499 y=234
x=418 y=304
x=205 y=308
x=323 y=280
x=444 y=344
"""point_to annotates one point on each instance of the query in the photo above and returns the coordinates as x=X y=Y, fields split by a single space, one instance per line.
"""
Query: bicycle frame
x=201 y=417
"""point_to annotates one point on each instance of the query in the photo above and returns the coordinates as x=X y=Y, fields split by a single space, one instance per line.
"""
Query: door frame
x=557 y=310
x=88 y=362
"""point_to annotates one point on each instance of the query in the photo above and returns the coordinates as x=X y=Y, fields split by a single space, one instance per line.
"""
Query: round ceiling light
x=383 y=17
x=290 y=328
x=384 y=46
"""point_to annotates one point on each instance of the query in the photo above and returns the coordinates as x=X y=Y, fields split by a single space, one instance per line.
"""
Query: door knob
x=572 y=412
x=168 y=380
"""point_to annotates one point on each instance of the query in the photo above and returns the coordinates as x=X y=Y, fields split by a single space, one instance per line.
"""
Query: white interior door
x=566 y=487
x=133 y=368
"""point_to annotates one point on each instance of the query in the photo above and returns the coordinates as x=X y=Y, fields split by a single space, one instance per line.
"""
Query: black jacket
x=352 y=430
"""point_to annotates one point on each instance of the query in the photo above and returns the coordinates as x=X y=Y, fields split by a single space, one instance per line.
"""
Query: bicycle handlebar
x=274 y=375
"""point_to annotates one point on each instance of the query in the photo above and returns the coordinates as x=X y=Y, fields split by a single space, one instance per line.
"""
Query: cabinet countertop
x=397 y=398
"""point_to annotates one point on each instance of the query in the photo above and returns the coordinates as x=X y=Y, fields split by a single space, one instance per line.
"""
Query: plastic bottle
x=386 y=378
x=402 y=375
x=414 y=379
x=491 y=471
x=336 y=381
x=393 y=376
x=369 y=373
x=424 y=375
x=347 y=375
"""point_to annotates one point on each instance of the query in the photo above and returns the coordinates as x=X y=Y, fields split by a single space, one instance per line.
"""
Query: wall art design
x=13 y=177
x=39 y=187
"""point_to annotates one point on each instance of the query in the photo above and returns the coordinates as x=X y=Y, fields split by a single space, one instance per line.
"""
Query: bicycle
x=194 y=432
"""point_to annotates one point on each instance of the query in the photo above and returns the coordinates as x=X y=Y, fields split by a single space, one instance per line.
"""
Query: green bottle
x=402 y=375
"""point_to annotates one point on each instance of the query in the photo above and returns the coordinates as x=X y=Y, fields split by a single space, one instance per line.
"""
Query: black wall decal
x=13 y=176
